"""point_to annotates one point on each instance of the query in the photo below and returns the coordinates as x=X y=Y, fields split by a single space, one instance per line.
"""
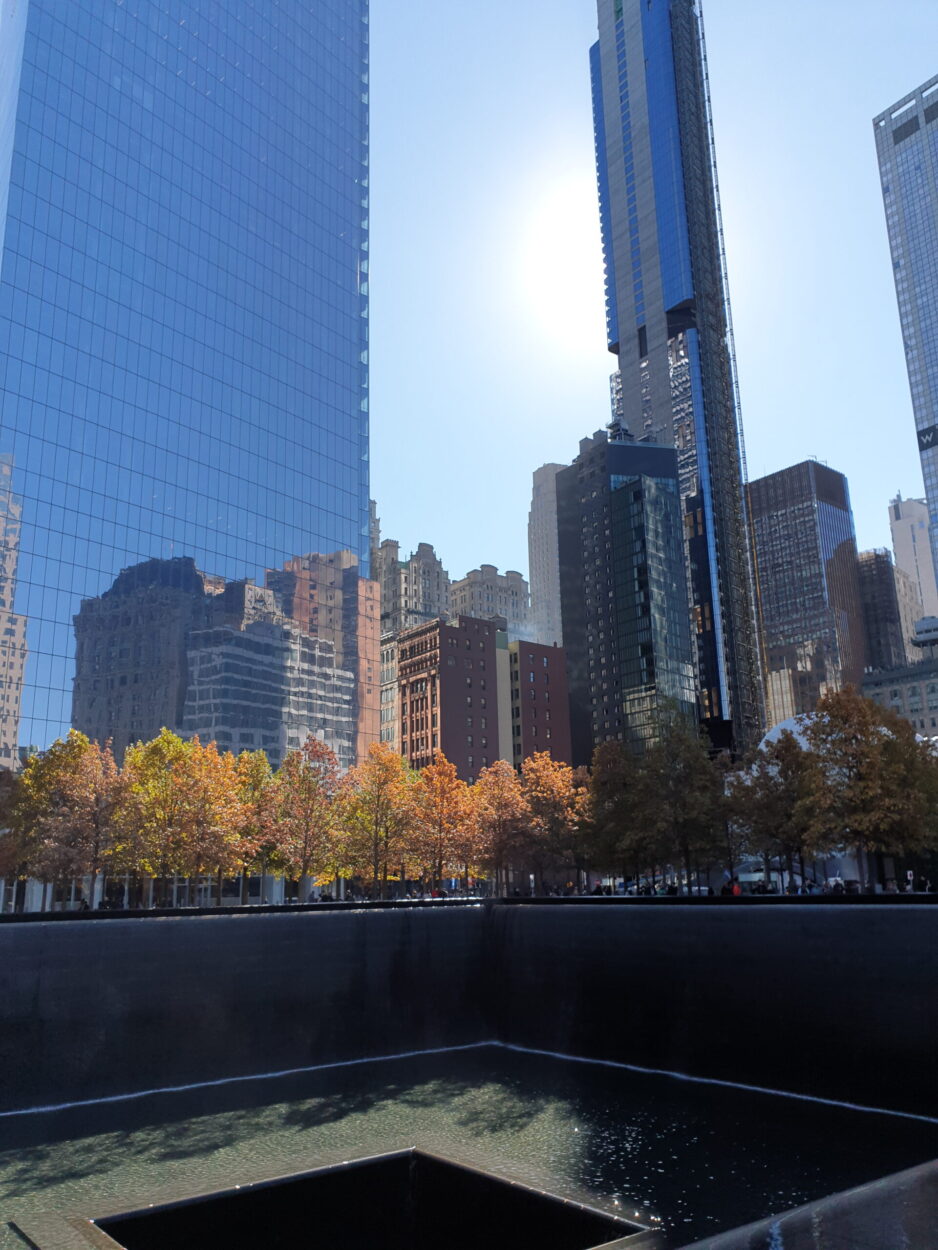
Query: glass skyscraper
x=183 y=304
x=667 y=316
x=907 y=148
x=809 y=588
x=623 y=593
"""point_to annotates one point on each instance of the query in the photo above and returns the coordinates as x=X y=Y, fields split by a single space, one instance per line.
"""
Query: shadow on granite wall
x=831 y=1001
x=89 y=1010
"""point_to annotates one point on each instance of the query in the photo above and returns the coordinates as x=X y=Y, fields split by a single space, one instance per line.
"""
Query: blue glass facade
x=666 y=286
x=907 y=148
x=183 y=297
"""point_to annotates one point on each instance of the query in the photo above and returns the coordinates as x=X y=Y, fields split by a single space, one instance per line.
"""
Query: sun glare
x=559 y=266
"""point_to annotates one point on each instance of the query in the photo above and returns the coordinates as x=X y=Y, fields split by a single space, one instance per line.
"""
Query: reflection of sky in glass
x=183 y=300
x=701 y=1157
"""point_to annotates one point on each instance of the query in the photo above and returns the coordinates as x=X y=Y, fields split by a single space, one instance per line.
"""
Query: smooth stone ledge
x=898 y=1212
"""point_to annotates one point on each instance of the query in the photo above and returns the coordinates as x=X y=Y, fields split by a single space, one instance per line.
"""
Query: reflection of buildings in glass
x=268 y=686
x=667 y=317
x=167 y=645
x=327 y=597
x=809 y=592
x=183 y=302
x=12 y=625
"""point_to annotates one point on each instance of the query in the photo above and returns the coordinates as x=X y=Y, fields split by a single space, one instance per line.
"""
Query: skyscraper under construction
x=668 y=323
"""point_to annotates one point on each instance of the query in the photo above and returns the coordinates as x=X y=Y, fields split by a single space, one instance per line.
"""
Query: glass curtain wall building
x=810 y=600
x=623 y=593
x=183 y=302
x=907 y=148
x=667 y=316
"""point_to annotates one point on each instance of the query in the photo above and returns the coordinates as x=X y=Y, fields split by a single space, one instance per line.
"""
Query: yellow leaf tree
x=258 y=796
x=210 y=813
x=151 y=815
x=377 y=814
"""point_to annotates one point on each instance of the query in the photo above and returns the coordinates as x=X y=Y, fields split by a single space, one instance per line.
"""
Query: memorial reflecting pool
x=689 y=1157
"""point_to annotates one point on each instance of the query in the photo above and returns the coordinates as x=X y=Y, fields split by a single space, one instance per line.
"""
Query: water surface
x=691 y=1157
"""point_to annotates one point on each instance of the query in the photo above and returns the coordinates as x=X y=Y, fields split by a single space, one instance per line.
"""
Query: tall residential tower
x=183 y=298
x=907 y=148
x=667 y=316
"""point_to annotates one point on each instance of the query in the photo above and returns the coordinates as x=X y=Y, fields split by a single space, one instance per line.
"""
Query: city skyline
x=799 y=227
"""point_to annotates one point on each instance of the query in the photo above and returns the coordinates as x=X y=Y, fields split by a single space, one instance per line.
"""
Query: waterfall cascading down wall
x=834 y=1001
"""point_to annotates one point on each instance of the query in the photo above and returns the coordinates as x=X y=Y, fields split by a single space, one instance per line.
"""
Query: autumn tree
x=550 y=797
x=64 y=812
x=500 y=818
x=13 y=848
x=306 y=787
x=376 y=814
x=875 y=786
x=441 y=815
x=256 y=790
x=210 y=813
x=152 y=816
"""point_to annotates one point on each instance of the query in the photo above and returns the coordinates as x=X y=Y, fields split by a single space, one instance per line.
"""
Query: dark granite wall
x=91 y=1009
x=836 y=1001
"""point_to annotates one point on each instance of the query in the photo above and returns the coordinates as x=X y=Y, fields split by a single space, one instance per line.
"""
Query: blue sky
x=487 y=338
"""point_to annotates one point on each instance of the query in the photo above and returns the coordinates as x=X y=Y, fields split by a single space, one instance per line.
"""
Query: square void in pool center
x=402 y=1201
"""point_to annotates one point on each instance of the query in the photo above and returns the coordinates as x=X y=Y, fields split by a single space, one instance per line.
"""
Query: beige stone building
x=485 y=593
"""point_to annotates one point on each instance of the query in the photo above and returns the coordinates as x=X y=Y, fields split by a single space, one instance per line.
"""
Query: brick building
x=449 y=695
x=540 y=706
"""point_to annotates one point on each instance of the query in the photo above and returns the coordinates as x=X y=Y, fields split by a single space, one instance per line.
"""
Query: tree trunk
x=730 y=861
x=685 y=856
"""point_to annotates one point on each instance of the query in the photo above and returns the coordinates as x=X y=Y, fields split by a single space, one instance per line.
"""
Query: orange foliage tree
x=441 y=819
x=63 y=814
x=553 y=813
x=306 y=787
x=500 y=819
